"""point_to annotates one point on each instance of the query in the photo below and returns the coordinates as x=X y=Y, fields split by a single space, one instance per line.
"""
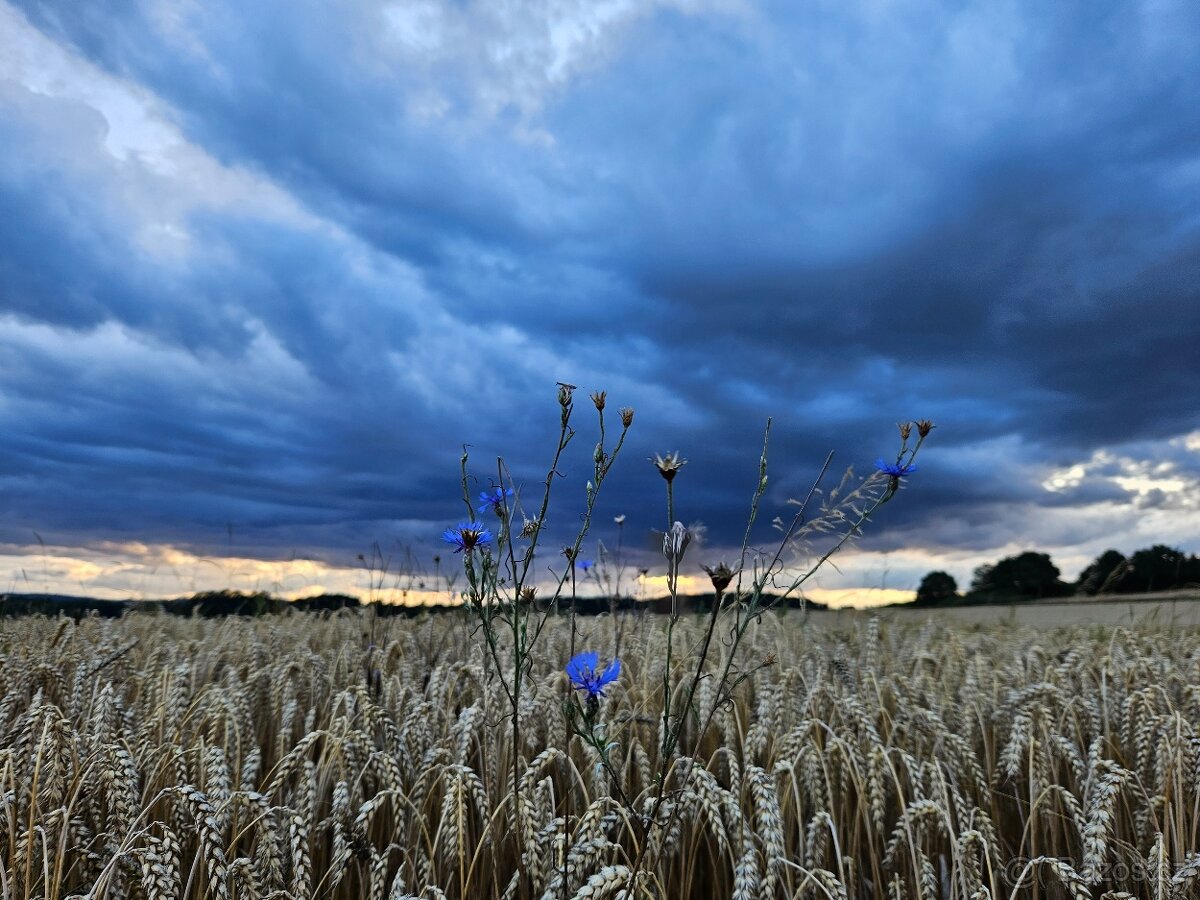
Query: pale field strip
x=1161 y=608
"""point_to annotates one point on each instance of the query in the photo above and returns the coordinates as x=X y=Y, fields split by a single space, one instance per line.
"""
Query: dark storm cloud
x=839 y=217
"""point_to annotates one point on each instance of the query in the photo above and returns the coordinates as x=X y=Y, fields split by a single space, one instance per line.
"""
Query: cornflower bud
x=675 y=542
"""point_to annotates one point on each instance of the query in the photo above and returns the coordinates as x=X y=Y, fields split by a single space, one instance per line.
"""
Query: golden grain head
x=255 y=757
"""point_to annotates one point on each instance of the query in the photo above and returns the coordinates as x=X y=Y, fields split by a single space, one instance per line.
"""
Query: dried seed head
x=669 y=465
x=720 y=575
x=530 y=528
x=905 y=430
x=924 y=426
x=598 y=399
x=528 y=594
x=626 y=415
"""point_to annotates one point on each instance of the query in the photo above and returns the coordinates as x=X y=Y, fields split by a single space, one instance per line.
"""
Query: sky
x=265 y=269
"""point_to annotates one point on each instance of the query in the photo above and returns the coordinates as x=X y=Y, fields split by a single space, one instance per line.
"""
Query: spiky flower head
x=668 y=466
x=494 y=500
x=924 y=426
x=896 y=469
x=905 y=430
x=598 y=399
x=583 y=670
x=466 y=536
x=626 y=413
x=720 y=575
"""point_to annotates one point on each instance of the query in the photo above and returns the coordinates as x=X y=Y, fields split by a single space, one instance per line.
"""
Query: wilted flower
x=494 y=500
x=924 y=426
x=675 y=542
x=466 y=536
x=905 y=430
x=598 y=399
x=529 y=528
x=668 y=465
x=896 y=469
x=626 y=413
x=582 y=670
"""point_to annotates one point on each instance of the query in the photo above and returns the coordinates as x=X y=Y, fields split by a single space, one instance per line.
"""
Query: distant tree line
x=205 y=604
x=211 y=604
x=1033 y=576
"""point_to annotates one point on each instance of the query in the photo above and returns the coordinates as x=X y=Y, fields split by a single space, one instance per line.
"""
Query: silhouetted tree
x=1028 y=575
x=1158 y=568
x=981 y=579
x=326 y=602
x=1103 y=574
x=225 y=603
x=936 y=588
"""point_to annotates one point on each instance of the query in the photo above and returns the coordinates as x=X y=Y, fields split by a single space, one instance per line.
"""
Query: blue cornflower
x=896 y=470
x=582 y=672
x=494 y=499
x=585 y=564
x=466 y=536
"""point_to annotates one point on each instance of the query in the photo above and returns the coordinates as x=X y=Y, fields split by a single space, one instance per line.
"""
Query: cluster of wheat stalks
x=300 y=756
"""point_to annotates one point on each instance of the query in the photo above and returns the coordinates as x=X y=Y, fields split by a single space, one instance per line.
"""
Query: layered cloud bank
x=265 y=270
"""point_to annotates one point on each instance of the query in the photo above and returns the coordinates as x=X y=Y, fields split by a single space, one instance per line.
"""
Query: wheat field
x=346 y=756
